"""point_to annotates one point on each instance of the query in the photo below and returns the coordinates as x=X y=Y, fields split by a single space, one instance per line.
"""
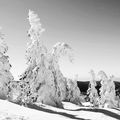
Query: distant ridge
x=88 y=79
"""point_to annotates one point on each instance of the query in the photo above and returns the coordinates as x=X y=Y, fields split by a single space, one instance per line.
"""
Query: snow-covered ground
x=11 y=111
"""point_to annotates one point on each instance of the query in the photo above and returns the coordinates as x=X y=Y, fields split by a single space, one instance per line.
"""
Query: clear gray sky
x=91 y=27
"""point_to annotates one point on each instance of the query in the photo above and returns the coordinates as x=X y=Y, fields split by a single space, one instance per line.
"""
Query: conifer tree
x=74 y=94
x=107 y=91
x=40 y=79
x=92 y=91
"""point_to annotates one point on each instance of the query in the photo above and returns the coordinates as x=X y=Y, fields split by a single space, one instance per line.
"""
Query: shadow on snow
x=54 y=112
x=105 y=112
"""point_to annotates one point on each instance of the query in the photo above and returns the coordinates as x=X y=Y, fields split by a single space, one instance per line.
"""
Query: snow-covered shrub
x=14 y=91
x=92 y=91
x=118 y=101
x=107 y=91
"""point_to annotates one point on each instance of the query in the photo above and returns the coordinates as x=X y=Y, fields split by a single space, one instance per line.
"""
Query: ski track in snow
x=11 y=111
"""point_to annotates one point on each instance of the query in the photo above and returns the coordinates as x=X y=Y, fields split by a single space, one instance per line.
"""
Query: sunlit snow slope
x=11 y=111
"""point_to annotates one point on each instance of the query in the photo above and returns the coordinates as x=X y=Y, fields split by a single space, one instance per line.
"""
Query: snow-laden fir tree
x=40 y=80
x=5 y=74
x=92 y=91
x=107 y=91
x=73 y=92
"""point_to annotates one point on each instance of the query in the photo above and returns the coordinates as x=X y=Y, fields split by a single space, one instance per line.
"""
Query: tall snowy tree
x=92 y=91
x=45 y=81
x=5 y=74
x=40 y=79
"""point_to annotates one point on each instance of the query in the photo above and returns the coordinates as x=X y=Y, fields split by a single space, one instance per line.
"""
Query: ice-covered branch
x=62 y=49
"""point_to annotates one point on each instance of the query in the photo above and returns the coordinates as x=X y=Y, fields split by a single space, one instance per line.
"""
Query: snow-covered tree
x=46 y=82
x=73 y=92
x=60 y=50
x=107 y=91
x=37 y=75
x=35 y=48
x=5 y=74
x=92 y=91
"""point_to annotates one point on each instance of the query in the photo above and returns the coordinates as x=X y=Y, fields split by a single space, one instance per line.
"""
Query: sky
x=90 y=27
